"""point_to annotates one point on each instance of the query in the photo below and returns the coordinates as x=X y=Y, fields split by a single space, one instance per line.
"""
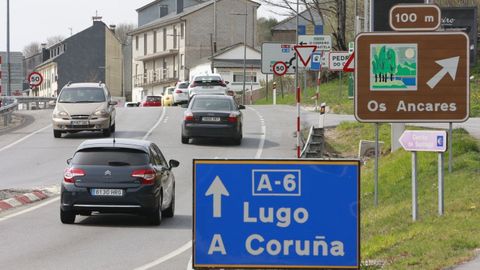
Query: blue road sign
x=276 y=214
x=316 y=62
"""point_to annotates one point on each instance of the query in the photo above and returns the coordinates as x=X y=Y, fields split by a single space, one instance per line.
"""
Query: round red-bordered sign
x=279 y=68
x=35 y=79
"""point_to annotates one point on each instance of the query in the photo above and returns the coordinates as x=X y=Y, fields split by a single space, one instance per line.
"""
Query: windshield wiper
x=118 y=163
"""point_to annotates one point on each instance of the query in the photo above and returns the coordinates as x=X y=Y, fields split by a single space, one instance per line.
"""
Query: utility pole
x=9 y=80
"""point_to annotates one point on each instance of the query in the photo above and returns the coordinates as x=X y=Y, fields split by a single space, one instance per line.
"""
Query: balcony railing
x=153 y=77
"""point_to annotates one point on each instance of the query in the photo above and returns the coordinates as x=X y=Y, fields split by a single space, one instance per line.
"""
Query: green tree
x=264 y=27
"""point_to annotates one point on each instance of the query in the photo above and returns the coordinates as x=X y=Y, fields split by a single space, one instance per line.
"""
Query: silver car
x=84 y=107
x=212 y=84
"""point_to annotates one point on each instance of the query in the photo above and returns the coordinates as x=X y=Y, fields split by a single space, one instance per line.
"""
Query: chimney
x=179 y=6
x=112 y=27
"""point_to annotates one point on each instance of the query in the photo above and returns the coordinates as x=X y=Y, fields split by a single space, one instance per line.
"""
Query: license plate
x=106 y=192
x=211 y=119
x=80 y=123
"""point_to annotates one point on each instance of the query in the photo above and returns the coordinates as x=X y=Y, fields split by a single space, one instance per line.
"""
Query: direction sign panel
x=277 y=52
x=424 y=140
x=276 y=214
x=337 y=60
x=412 y=77
x=415 y=17
x=323 y=42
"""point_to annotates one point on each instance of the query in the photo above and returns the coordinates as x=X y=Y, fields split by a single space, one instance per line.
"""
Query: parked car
x=132 y=104
x=84 y=106
x=118 y=176
x=180 y=94
x=167 y=97
x=208 y=85
x=213 y=116
x=151 y=101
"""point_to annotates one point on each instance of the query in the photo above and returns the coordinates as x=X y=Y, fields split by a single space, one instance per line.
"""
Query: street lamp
x=244 y=50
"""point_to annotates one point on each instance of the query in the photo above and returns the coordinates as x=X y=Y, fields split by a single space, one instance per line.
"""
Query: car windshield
x=154 y=98
x=204 y=104
x=110 y=157
x=169 y=91
x=82 y=95
x=183 y=85
x=208 y=80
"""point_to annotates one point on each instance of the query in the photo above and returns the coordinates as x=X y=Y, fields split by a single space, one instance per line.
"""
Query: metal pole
x=9 y=80
x=414 y=187
x=440 y=184
x=266 y=85
x=245 y=53
x=297 y=87
x=214 y=26
x=376 y=165
x=340 y=84
x=365 y=16
x=450 y=148
x=317 y=94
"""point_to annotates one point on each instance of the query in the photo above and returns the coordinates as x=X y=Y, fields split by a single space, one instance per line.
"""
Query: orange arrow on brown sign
x=412 y=77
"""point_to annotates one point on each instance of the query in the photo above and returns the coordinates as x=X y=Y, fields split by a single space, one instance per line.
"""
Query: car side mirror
x=173 y=163
x=227 y=82
x=241 y=107
x=69 y=161
x=113 y=103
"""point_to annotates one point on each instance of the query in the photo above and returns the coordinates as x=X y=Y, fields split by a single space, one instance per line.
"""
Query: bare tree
x=332 y=12
x=54 y=40
x=121 y=31
x=31 y=49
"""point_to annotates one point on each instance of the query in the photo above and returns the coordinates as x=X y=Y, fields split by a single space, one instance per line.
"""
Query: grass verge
x=388 y=233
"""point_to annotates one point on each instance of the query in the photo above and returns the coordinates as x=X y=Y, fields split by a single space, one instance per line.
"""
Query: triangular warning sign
x=304 y=52
x=350 y=64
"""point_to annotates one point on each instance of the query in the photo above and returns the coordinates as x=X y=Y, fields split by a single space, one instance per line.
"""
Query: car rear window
x=214 y=104
x=208 y=80
x=154 y=98
x=110 y=157
x=183 y=85
x=82 y=95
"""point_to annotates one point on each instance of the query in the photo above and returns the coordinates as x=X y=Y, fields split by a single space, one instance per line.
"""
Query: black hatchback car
x=121 y=176
x=213 y=116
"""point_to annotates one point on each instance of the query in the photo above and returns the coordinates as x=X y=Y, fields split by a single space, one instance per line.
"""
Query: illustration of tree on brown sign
x=393 y=67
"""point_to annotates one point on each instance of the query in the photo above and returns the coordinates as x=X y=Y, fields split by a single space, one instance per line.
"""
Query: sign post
x=425 y=141
x=281 y=211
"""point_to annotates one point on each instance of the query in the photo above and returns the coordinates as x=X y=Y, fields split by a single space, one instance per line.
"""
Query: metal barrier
x=34 y=102
x=9 y=105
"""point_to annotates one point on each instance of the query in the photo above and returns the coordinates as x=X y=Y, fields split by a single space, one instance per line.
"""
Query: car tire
x=237 y=141
x=185 y=139
x=67 y=217
x=155 y=217
x=57 y=133
x=170 y=211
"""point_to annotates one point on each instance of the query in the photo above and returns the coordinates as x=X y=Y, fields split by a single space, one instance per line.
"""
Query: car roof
x=89 y=84
x=212 y=97
x=141 y=145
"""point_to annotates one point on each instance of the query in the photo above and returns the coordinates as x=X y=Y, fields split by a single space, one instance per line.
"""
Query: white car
x=180 y=94
x=212 y=84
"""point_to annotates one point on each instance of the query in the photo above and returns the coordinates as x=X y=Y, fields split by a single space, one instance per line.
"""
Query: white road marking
x=167 y=257
x=29 y=209
x=264 y=134
x=189 y=266
x=24 y=138
x=156 y=125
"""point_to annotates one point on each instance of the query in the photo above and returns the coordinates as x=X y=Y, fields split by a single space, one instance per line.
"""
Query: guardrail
x=307 y=143
x=34 y=102
x=9 y=105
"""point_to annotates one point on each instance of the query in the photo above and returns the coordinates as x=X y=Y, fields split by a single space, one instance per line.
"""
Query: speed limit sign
x=279 y=68
x=35 y=79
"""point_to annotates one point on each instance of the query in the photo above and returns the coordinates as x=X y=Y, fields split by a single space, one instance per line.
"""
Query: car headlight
x=101 y=113
x=60 y=114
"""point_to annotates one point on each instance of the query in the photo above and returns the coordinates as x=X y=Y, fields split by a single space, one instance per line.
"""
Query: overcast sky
x=36 y=20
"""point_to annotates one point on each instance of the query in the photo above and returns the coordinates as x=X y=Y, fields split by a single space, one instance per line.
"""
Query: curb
x=27 y=198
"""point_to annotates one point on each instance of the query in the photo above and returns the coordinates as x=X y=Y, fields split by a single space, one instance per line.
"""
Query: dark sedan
x=118 y=176
x=213 y=116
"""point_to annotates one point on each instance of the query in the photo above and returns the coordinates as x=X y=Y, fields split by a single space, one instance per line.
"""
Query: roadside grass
x=329 y=92
x=388 y=233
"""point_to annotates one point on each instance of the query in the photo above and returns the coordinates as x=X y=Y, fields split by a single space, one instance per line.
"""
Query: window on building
x=174 y=67
x=182 y=61
x=182 y=30
x=164 y=39
x=175 y=37
x=154 y=41
x=251 y=77
x=136 y=43
x=145 y=44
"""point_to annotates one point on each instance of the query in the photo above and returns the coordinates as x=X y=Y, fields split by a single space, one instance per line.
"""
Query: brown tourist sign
x=414 y=17
x=412 y=77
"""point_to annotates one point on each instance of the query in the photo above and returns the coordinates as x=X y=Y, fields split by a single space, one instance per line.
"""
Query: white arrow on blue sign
x=276 y=214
